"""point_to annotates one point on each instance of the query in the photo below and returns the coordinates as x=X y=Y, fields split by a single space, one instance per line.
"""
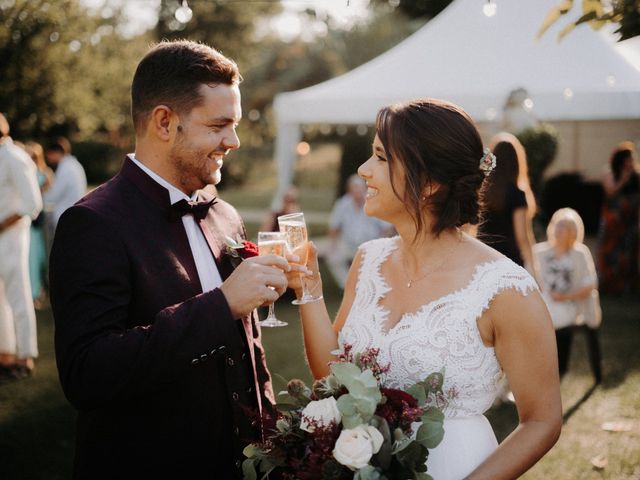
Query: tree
x=597 y=13
x=424 y=9
x=62 y=69
x=227 y=26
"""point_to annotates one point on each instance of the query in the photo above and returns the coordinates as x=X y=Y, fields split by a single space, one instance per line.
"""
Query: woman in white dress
x=434 y=297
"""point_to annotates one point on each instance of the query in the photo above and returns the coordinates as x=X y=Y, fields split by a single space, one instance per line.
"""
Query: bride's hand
x=310 y=271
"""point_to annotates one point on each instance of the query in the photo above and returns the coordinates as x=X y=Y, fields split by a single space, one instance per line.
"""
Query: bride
x=434 y=297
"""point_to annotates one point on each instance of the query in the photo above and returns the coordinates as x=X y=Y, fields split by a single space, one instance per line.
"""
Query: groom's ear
x=162 y=123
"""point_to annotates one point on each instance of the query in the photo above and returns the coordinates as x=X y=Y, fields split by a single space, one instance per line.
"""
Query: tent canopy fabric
x=475 y=61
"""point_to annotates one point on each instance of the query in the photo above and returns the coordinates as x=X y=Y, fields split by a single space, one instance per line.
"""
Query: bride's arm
x=320 y=336
x=525 y=345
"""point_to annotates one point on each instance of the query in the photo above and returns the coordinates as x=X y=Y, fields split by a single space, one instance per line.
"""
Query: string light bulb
x=489 y=8
x=183 y=13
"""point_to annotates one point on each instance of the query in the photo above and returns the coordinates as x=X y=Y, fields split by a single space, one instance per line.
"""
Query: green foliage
x=62 y=66
x=596 y=14
x=227 y=26
x=431 y=432
x=101 y=160
x=541 y=145
x=359 y=405
x=417 y=8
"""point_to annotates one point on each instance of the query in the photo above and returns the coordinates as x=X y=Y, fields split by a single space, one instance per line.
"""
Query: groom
x=156 y=338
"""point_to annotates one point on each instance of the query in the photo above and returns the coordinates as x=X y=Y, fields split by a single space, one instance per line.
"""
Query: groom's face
x=205 y=135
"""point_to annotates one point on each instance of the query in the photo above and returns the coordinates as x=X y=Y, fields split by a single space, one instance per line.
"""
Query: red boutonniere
x=240 y=249
x=250 y=249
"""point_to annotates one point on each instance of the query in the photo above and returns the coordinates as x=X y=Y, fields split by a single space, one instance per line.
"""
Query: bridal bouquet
x=349 y=426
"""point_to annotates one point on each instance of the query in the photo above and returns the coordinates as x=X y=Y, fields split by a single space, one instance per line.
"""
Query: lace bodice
x=441 y=334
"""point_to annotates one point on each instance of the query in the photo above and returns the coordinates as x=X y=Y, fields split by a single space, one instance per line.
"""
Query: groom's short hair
x=171 y=74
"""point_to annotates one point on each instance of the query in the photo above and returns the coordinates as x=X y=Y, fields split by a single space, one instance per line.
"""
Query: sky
x=142 y=15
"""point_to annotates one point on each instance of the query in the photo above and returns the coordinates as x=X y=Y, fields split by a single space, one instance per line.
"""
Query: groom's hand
x=248 y=287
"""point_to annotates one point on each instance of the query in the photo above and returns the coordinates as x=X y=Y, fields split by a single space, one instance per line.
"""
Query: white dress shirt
x=19 y=191
x=205 y=263
x=69 y=186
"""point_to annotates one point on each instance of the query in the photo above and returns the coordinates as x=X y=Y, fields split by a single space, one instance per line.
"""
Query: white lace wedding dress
x=442 y=333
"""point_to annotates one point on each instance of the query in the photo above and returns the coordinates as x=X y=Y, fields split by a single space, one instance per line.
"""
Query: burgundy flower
x=396 y=397
x=399 y=409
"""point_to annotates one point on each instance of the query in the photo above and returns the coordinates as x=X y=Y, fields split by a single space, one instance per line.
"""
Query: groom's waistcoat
x=166 y=382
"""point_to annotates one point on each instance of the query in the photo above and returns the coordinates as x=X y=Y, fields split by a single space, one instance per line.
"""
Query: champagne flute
x=272 y=243
x=295 y=230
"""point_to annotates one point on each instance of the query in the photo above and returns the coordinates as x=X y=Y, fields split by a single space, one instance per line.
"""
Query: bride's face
x=381 y=201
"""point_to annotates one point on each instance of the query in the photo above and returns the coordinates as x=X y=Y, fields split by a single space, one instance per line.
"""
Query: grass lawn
x=37 y=425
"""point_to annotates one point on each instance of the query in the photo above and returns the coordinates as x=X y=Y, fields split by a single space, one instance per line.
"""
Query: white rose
x=355 y=446
x=322 y=411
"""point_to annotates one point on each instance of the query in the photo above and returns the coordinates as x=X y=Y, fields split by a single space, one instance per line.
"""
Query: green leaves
x=413 y=457
x=431 y=431
x=626 y=13
x=359 y=405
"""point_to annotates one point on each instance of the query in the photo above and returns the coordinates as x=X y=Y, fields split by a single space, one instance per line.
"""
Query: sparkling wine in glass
x=295 y=230
x=272 y=243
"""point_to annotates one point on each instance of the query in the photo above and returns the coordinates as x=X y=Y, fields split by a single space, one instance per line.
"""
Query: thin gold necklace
x=433 y=269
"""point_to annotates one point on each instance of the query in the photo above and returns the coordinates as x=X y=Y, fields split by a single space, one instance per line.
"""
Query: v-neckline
x=385 y=288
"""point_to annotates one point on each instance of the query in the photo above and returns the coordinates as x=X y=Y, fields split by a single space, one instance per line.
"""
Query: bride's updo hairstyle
x=438 y=145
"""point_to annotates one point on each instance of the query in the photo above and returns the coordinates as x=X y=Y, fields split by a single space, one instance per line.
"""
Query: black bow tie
x=183 y=207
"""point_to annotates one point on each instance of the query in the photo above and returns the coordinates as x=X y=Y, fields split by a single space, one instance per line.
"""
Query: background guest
x=21 y=202
x=70 y=183
x=510 y=204
x=570 y=286
x=618 y=232
x=37 y=242
x=349 y=227
x=289 y=205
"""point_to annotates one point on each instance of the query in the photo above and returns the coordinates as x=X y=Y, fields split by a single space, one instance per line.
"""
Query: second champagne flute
x=295 y=230
x=272 y=243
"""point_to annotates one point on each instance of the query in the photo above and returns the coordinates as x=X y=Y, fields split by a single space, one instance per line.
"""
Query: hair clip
x=487 y=162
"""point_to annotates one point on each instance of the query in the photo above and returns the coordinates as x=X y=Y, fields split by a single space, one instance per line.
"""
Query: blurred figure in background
x=510 y=204
x=37 y=242
x=618 y=234
x=21 y=202
x=289 y=205
x=570 y=286
x=349 y=227
x=70 y=183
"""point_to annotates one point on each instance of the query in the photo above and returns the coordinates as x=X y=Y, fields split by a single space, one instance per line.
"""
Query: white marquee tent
x=475 y=61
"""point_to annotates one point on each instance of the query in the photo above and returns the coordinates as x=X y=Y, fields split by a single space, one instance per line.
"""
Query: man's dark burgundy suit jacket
x=162 y=376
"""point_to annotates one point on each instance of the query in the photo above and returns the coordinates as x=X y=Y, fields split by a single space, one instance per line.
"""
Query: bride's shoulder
x=495 y=272
x=378 y=246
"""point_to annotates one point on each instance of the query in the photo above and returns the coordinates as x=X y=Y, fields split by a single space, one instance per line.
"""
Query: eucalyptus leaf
x=351 y=417
x=435 y=381
x=418 y=392
x=251 y=450
x=286 y=407
x=249 y=470
x=431 y=431
x=401 y=445
x=422 y=476
x=413 y=456
x=368 y=472
x=383 y=457
x=345 y=372
x=282 y=425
